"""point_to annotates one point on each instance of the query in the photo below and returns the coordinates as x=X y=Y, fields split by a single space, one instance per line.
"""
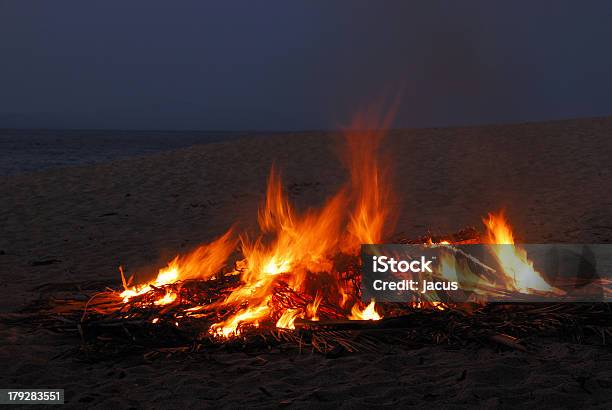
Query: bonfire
x=298 y=278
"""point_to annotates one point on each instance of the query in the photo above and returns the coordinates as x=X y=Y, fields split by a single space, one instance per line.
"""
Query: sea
x=25 y=151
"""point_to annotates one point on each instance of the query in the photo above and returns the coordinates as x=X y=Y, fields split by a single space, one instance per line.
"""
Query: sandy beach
x=66 y=228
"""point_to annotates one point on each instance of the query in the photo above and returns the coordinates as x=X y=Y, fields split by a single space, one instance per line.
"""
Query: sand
x=64 y=227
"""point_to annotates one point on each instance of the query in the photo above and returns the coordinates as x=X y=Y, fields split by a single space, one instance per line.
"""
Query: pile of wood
x=106 y=324
x=105 y=329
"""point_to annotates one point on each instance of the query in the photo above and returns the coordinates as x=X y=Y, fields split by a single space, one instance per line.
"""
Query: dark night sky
x=279 y=65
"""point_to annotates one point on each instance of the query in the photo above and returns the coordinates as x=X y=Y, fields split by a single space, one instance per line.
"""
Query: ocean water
x=23 y=151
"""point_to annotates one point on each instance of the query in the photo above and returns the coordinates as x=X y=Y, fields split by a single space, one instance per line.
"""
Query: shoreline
x=153 y=142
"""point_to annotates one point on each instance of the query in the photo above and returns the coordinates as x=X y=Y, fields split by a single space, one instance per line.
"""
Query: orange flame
x=304 y=245
x=369 y=185
x=297 y=248
x=518 y=269
x=202 y=264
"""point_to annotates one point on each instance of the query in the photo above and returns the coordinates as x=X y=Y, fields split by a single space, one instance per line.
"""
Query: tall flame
x=294 y=248
x=304 y=245
x=372 y=216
